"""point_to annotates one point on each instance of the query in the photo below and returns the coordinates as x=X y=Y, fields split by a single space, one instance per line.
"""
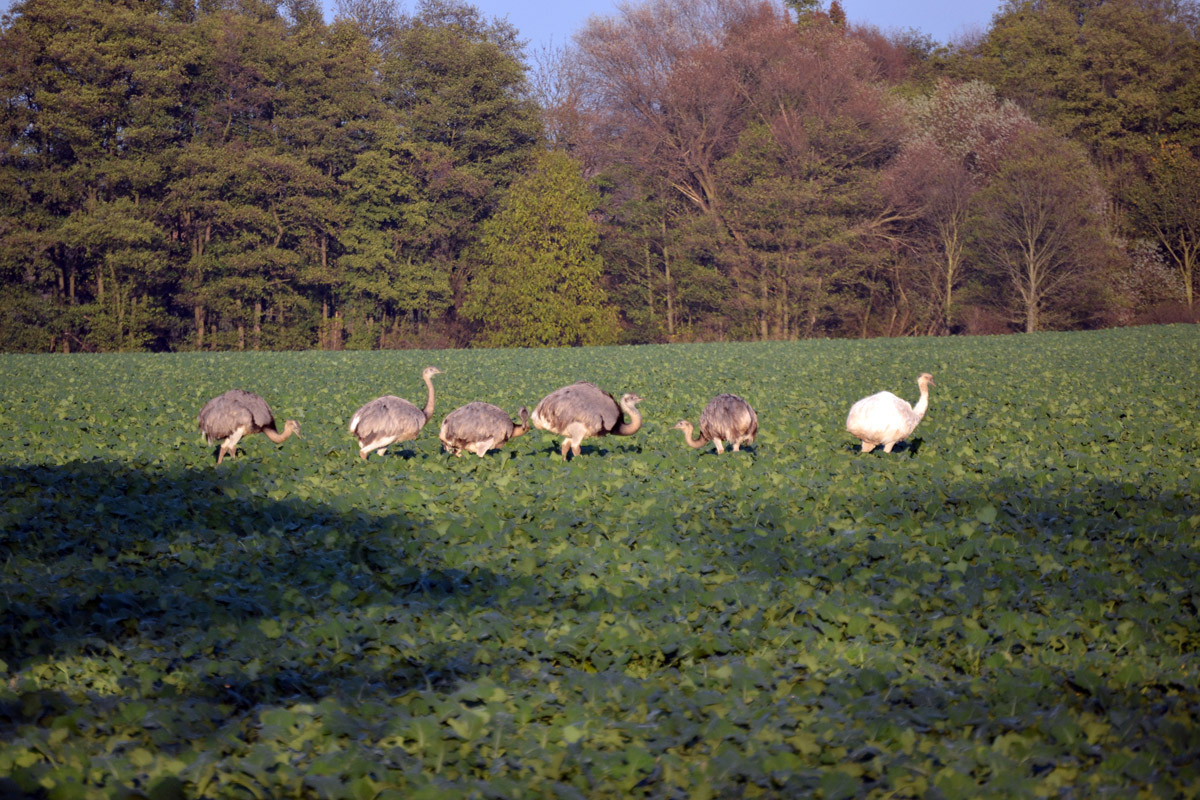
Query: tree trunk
x=120 y=308
x=764 y=313
x=198 y=311
x=1189 y=270
x=258 y=313
x=670 y=287
x=647 y=261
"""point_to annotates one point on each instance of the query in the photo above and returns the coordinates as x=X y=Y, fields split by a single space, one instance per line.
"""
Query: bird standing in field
x=390 y=419
x=584 y=409
x=478 y=427
x=884 y=418
x=237 y=413
x=726 y=418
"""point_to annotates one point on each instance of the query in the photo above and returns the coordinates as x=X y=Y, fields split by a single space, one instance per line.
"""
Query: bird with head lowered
x=584 y=409
x=238 y=413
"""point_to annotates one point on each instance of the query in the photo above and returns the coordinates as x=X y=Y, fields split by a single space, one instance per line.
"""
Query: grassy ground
x=1006 y=606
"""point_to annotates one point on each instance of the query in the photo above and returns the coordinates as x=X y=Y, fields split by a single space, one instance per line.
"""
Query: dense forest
x=243 y=174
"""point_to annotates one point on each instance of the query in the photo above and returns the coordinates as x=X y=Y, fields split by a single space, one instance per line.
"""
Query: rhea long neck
x=922 y=404
x=523 y=428
x=277 y=437
x=694 y=443
x=428 y=410
x=635 y=420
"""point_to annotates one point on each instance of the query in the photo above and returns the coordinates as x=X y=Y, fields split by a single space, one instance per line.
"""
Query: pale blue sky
x=545 y=21
x=554 y=21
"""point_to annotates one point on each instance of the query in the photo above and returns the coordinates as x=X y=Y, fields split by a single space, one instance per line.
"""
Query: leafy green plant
x=1006 y=610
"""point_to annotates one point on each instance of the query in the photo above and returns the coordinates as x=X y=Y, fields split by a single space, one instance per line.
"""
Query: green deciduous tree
x=538 y=280
x=1116 y=76
x=1041 y=224
x=1168 y=205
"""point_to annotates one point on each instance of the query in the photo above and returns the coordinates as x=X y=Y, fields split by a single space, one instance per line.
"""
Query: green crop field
x=1006 y=607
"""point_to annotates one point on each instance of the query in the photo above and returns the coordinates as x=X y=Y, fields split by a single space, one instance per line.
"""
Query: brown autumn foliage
x=760 y=139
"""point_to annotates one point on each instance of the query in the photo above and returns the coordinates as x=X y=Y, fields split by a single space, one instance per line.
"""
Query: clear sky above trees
x=553 y=21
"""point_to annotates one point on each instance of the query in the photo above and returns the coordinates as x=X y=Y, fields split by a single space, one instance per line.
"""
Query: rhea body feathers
x=885 y=419
x=478 y=427
x=726 y=418
x=239 y=413
x=584 y=409
x=390 y=419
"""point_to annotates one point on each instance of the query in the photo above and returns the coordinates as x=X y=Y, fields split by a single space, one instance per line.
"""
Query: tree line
x=239 y=174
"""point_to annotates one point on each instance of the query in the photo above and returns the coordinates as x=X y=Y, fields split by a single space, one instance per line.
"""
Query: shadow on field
x=598 y=450
x=200 y=563
x=912 y=447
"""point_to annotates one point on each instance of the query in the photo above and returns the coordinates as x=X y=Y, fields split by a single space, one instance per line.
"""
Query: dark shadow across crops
x=117 y=556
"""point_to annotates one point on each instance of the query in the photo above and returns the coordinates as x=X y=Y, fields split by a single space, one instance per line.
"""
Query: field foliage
x=1005 y=607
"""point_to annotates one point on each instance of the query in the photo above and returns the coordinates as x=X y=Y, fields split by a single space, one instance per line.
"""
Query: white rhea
x=238 y=413
x=584 y=409
x=726 y=418
x=885 y=419
x=390 y=419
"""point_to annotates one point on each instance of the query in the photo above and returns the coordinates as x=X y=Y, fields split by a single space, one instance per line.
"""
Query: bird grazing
x=884 y=418
x=584 y=409
x=390 y=419
x=478 y=427
x=237 y=413
x=726 y=418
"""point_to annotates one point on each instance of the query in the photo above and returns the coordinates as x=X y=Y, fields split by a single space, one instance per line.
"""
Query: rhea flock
x=238 y=413
x=390 y=419
x=584 y=409
x=478 y=427
x=884 y=418
x=726 y=418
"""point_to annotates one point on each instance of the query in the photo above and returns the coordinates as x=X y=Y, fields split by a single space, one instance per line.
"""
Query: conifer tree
x=539 y=272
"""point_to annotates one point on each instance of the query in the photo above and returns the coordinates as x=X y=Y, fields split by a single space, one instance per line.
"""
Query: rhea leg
x=575 y=433
x=867 y=446
x=379 y=444
x=230 y=445
x=720 y=445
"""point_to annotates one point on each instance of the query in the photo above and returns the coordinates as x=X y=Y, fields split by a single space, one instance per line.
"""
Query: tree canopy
x=225 y=174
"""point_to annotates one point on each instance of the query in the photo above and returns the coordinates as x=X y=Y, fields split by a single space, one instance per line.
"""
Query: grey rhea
x=726 y=418
x=390 y=419
x=885 y=419
x=584 y=409
x=478 y=427
x=239 y=413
